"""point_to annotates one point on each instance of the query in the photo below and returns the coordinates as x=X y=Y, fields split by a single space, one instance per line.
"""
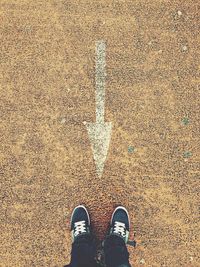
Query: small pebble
x=187 y=154
x=185 y=121
x=184 y=48
x=28 y=28
x=179 y=13
x=191 y=258
x=63 y=120
x=163 y=135
x=131 y=149
x=142 y=261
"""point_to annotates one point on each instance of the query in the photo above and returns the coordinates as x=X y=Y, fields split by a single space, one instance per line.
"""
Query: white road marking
x=100 y=131
x=100 y=80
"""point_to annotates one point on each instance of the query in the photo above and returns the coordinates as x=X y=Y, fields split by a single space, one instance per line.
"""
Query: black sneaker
x=80 y=222
x=120 y=223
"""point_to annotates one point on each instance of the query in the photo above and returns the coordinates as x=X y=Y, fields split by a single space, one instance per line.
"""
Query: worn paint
x=100 y=132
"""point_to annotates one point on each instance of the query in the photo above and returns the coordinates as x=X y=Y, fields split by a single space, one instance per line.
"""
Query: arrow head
x=99 y=134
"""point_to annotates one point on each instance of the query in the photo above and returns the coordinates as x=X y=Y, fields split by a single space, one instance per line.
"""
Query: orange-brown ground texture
x=47 y=91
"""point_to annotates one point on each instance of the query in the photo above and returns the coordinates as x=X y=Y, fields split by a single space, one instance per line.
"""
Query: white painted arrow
x=100 y=131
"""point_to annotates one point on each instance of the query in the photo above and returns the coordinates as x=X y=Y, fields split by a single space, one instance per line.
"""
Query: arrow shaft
x=100 y=80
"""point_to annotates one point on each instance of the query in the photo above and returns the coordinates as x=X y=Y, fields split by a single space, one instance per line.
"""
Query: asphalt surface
x=47 y=91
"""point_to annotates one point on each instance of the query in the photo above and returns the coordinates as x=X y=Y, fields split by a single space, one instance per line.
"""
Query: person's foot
x=120 y=223
x=80 y=222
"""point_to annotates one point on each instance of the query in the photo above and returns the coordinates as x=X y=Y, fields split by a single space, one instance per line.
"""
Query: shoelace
x=120 y=228
x=79 y=228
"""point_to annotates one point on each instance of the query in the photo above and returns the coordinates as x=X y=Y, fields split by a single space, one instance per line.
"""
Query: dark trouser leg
x=116 y=253
x=83 y=252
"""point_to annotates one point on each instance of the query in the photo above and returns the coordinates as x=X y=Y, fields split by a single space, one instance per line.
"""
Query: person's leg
x=83 y=252
x=116 y=253
x=115 y=250
x=84 y=246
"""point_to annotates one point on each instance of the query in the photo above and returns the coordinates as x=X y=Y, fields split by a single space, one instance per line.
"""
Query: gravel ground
x=47 y=91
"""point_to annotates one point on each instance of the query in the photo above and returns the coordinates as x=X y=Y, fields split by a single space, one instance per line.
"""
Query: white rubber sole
x=123 y=208
x=80 y=206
